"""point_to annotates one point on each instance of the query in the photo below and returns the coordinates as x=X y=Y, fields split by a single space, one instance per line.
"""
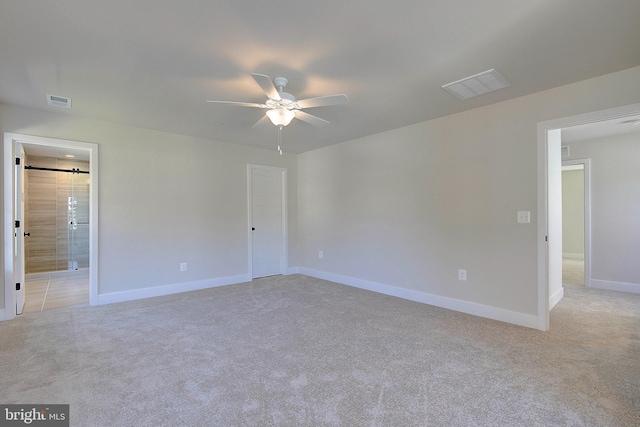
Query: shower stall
x=56 y=214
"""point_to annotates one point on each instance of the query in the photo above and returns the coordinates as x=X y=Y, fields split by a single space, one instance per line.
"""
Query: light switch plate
x=524 y=217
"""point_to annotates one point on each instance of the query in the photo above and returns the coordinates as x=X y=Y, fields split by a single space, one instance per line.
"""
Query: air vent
x=58 y=101
x=479 y=84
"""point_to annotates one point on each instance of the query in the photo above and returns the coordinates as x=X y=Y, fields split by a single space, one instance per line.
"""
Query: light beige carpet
x=297 y=351
x=572 y=271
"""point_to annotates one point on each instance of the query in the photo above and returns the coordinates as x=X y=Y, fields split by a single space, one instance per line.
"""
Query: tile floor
x=54 y=290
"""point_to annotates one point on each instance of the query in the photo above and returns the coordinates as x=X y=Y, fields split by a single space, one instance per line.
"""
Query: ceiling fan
x=282 y=107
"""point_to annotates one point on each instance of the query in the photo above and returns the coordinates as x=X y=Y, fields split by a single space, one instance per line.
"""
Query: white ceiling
x=601 y=129
x=35 y=150
x=153 y=63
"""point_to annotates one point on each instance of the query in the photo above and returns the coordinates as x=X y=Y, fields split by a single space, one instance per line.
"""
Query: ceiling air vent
x=58 y=101
x=485 y=82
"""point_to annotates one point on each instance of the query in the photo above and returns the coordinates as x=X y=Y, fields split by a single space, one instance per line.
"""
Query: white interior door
x=266 y=221
x=554 y=216
x=19 y=231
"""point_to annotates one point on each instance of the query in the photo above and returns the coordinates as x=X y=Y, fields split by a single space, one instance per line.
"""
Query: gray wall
x=615 y=206
x=164 y=199
x=409 y=207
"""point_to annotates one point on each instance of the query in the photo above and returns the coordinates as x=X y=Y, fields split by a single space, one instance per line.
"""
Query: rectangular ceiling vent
x=485 y=82
x=58 y=101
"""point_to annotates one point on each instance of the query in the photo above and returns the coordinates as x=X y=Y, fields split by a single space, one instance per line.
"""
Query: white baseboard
x=157 y=291
x=468 y=307
x=633 y=288
x=292 y=270
x=556 y=297
x=2 y=314
x=569 y=255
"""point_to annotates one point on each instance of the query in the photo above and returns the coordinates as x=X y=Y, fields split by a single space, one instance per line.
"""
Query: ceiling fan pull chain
x=280 y=139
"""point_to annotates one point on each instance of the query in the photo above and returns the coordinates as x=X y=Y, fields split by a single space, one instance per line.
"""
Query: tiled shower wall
x=53 y=245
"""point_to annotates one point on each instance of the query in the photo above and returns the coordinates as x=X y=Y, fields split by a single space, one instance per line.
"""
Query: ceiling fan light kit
x=281 y=116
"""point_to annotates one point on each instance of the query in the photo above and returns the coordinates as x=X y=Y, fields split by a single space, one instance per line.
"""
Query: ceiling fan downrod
x=280 y=83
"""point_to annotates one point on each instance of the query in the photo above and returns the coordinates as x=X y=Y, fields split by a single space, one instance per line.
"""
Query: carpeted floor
x=572 y=271
x=298 y=351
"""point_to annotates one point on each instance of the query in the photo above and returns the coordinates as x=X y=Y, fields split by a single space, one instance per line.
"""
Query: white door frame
x=284 y=256
x=587 y=214
x=11 y=140
x=19 y=259
x=545 y=148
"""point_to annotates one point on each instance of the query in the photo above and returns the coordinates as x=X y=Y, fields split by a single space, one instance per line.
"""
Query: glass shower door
x=78 y=221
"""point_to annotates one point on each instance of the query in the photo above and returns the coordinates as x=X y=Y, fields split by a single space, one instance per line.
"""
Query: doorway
x=550 y=203
x=54 y=238
x=576 y=222
x=267 y=207
x=56 y=228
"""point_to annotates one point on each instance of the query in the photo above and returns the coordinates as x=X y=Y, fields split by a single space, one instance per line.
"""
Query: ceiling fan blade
x=306 y=117
x=262 y=120
x=267 y=86
x=240 y=104
x=322 y=101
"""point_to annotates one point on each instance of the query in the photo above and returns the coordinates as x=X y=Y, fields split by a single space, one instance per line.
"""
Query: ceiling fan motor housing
x=286 y=101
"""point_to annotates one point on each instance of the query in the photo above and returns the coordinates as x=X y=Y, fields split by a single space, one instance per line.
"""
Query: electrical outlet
x=183 y=266
x=320 y=254
x=462 y=274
